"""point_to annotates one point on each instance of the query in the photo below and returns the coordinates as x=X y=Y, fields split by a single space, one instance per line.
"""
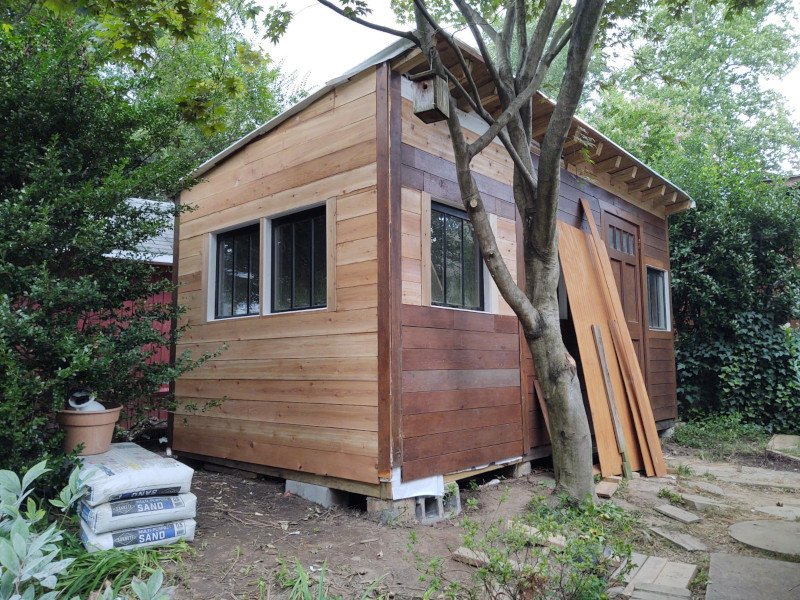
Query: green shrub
x=36 y=551
x=720 y=436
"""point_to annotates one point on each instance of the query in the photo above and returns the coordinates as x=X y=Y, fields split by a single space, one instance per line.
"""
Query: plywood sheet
x=589 y=308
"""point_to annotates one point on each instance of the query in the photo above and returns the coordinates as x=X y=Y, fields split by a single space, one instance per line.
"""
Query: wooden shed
x=367 y=348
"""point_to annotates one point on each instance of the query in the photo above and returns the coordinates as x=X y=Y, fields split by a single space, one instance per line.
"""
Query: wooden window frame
x=462 y=215
x=301 y=215
x=218 y=239
x=667 y=303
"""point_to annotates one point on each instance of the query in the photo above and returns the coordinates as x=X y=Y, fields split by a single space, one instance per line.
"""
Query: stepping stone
x=746 y=578
x=704 y=486
x=652 y=591
x=744 y=475
x=786 y=446
x=606 y=489
x=789 y=513
x=660 y=572
x=684 y=516
x=702 y=503
x=774 y=536
x=684 y=540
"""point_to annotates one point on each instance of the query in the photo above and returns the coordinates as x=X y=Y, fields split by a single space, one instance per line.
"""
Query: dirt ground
x=246 y=526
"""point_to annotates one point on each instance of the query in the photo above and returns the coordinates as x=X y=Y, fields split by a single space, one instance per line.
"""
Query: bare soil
x=248 y=527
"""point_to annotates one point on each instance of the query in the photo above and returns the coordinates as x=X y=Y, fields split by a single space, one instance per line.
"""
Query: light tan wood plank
x=357 y=297
x=357 y=228
x=357 y=251
x=362 y=393
x=358 y=369
x=329 y=346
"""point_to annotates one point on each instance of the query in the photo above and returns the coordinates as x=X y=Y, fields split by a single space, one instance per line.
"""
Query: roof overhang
x=587 y=152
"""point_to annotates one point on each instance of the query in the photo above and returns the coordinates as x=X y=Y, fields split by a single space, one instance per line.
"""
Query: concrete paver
x=746 y=578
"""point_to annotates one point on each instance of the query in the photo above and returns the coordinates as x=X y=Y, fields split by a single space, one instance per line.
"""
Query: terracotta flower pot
x=92 y=429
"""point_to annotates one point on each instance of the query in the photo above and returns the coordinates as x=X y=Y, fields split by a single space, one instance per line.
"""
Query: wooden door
x=622 y=241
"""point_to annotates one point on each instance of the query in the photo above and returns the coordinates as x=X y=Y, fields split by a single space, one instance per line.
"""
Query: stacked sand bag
x=135 y=499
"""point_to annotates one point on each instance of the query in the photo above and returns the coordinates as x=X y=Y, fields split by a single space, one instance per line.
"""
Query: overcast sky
x=322 y=45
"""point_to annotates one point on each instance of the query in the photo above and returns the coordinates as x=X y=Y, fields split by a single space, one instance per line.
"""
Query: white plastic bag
x=129 y=471
x=138 y=537
x=138 y=512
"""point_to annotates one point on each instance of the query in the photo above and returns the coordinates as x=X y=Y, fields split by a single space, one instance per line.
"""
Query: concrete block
x=522 y=469
x=318 y=494
x=391 y=512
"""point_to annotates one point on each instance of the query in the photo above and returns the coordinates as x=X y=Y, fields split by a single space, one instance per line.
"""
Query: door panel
x=622 y=243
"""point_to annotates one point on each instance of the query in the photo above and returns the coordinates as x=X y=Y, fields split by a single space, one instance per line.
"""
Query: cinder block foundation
x=319 y=494
x=522 y=469
x=423 y=509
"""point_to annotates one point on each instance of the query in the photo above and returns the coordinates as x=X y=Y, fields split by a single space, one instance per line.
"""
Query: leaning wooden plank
x=587 y=307
x=612 y=404
x=542 y=405
x=626 y=351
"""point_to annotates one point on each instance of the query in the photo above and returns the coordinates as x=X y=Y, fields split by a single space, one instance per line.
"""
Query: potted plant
x=85 y=421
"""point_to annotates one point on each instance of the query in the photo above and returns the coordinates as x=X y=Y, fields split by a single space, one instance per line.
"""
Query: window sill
x=469 y=310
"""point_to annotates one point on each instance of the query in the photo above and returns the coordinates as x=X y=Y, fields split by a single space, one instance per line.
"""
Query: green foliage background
x=85 y=127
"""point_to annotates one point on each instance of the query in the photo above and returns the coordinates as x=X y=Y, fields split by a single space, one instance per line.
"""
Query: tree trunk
x=570 y=435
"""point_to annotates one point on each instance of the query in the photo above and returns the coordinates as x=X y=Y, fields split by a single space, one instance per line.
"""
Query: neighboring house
x=367 y=347
x=158 y=252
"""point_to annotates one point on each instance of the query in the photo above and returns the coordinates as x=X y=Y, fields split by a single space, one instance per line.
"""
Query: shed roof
x=601 y=159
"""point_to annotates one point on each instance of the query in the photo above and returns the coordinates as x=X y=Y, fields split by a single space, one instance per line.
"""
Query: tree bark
x=536 y=197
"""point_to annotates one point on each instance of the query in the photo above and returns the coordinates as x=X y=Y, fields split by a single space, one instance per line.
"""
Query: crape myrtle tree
x=519 y=41
x=85 y=128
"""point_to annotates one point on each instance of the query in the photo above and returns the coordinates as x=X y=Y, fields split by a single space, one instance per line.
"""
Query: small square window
x=658 y=299
x=299 y=261
x=456 y=265
x=237 y=273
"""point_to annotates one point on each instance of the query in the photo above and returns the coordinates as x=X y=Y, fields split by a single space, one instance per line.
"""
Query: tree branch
x=409 y=35
x=529 y=316
x=530 y=61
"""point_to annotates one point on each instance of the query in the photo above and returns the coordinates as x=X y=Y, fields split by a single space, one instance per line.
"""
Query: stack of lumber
x=622 y=416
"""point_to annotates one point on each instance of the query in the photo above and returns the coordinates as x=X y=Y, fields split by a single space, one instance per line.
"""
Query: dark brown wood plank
x=458 y=441
x=430 y=337
x=452 y=400
x=458 y=461
x=459 y=420
x=455 y=379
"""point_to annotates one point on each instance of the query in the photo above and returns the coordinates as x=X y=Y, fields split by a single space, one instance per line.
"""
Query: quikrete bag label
x=148 y=535
x=132 y=507
x=161 y=534
x=145 y=493
x=138 y=512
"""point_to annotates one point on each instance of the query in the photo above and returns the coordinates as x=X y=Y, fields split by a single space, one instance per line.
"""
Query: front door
x=622 y=241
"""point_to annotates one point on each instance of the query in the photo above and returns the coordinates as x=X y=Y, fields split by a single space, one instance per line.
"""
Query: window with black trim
x=299 y=261
x=456 y=266
x=657 y=299
x=237 y=273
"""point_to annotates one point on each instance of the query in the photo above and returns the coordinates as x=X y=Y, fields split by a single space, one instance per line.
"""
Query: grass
x=301 y=585
x=89 y=572
x=722 y=436
x=670 y=496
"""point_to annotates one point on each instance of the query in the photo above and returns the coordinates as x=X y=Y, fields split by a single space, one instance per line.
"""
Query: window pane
x=437 y=257
x=657 y=298
x=302 y=264
x=255 y=270
x=241 y=273
x=453 y=261
x=472 y=265
x=224 y=275
x=282 y=264
x=320 y=256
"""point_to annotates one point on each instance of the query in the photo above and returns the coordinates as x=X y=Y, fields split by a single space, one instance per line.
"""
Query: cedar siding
x=379 y=379
x=300 y=387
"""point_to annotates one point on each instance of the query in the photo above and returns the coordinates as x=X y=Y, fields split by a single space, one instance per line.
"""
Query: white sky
x=322 y=45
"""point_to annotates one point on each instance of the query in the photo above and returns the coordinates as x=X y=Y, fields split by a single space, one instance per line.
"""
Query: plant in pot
x=88 y=425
